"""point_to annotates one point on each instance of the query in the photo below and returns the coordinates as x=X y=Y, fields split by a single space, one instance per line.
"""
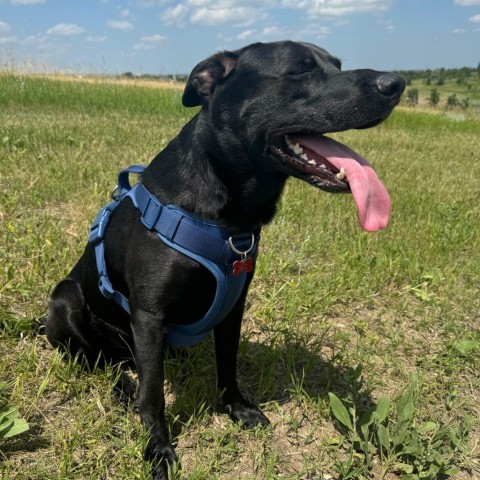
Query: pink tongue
x=371 y=197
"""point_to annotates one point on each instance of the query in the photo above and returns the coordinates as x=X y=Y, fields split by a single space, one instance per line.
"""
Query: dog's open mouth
x=332 y=166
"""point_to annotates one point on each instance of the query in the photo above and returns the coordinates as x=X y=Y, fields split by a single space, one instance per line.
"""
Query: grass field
x=371 y=319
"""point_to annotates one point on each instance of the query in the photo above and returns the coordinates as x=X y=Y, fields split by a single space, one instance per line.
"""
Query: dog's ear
x=205 y=76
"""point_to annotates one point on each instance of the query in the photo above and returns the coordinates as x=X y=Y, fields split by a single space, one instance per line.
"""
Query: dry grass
x=109 y=80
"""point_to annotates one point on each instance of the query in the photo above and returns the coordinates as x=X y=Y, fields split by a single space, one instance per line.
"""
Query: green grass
x=332 y=309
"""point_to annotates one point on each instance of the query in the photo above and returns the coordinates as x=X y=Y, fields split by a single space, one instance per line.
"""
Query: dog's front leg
x=149 y=341
x=227 y=338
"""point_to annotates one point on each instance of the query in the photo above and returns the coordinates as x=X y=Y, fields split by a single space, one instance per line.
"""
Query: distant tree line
x=462 y=76
x=440 y=75
x=171 y=77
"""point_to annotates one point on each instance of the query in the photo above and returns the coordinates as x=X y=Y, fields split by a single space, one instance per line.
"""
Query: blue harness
x=228 y=258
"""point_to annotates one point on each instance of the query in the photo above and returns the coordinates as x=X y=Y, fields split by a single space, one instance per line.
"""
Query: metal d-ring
x=238 y=252
x=112 y=193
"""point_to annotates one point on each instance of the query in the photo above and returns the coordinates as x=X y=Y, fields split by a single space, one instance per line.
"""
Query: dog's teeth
x=304 y=156
x=341 y=174
x=312 y=162
x=297 y=149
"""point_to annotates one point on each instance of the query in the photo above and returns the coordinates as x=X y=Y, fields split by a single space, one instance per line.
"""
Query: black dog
x=264 y=111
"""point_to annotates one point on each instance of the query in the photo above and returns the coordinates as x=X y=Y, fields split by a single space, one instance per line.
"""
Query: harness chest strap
x=204 y=242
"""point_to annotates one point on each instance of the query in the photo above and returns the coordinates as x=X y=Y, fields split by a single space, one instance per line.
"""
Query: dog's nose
x=390 y=85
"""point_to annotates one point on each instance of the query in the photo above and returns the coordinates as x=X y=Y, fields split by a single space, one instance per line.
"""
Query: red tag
x=240 y=266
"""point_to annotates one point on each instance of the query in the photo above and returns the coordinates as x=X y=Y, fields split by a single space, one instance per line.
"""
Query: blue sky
x=170 y=36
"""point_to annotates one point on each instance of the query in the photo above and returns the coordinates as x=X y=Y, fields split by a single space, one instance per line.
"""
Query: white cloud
x=125 y=13
x=65 y=30
x=120 y=25
x=272 y=31
x=236 y=12
x=200 y=3
x=143 y=46
x=236 y=15
x=7 y=40
x=246 y=12
x=96 y=38
x=467 y=3
x=314 y=30
x=27 y=2
x=36 y=39
x=153 y=38
x=214 y=4
x=458 y=30
x=244 y=35
x=338 y=7
x=151 y=3
x=475 y=18
x=252 y=34
x=4 y=27
x=149 y=42
x=388 y=24
x=174 y=15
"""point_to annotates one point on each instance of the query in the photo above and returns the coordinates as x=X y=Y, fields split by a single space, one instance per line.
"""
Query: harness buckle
x=97 y=230
x=152 y=211
x=105 y=287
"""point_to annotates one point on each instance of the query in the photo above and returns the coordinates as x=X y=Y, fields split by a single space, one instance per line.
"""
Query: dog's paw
x=247 y=414
x=162 y=459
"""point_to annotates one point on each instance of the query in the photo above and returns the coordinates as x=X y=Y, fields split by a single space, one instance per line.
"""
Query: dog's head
x=272 y=104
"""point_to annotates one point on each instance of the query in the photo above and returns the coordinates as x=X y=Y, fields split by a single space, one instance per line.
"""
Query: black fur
x=220 y=167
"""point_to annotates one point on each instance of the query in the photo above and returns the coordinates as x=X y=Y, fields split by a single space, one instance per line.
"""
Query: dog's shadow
x=266 y=373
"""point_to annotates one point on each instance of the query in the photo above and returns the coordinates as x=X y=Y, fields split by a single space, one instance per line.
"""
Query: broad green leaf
x=383 y=408
x=431 y=473
x=405 y=405
x=19 y=426
x=407 y=411
x=10 y=423
x=334 y=441
x=414 y=444
x=5 y=428
x=466 y=346
x=452 y=471
x=383 y=436
x=8 y=415
x=339 y=411
x=403 y=467
x=365 y=421
x=367 y=418
x=427 y=427
x=399 y=432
